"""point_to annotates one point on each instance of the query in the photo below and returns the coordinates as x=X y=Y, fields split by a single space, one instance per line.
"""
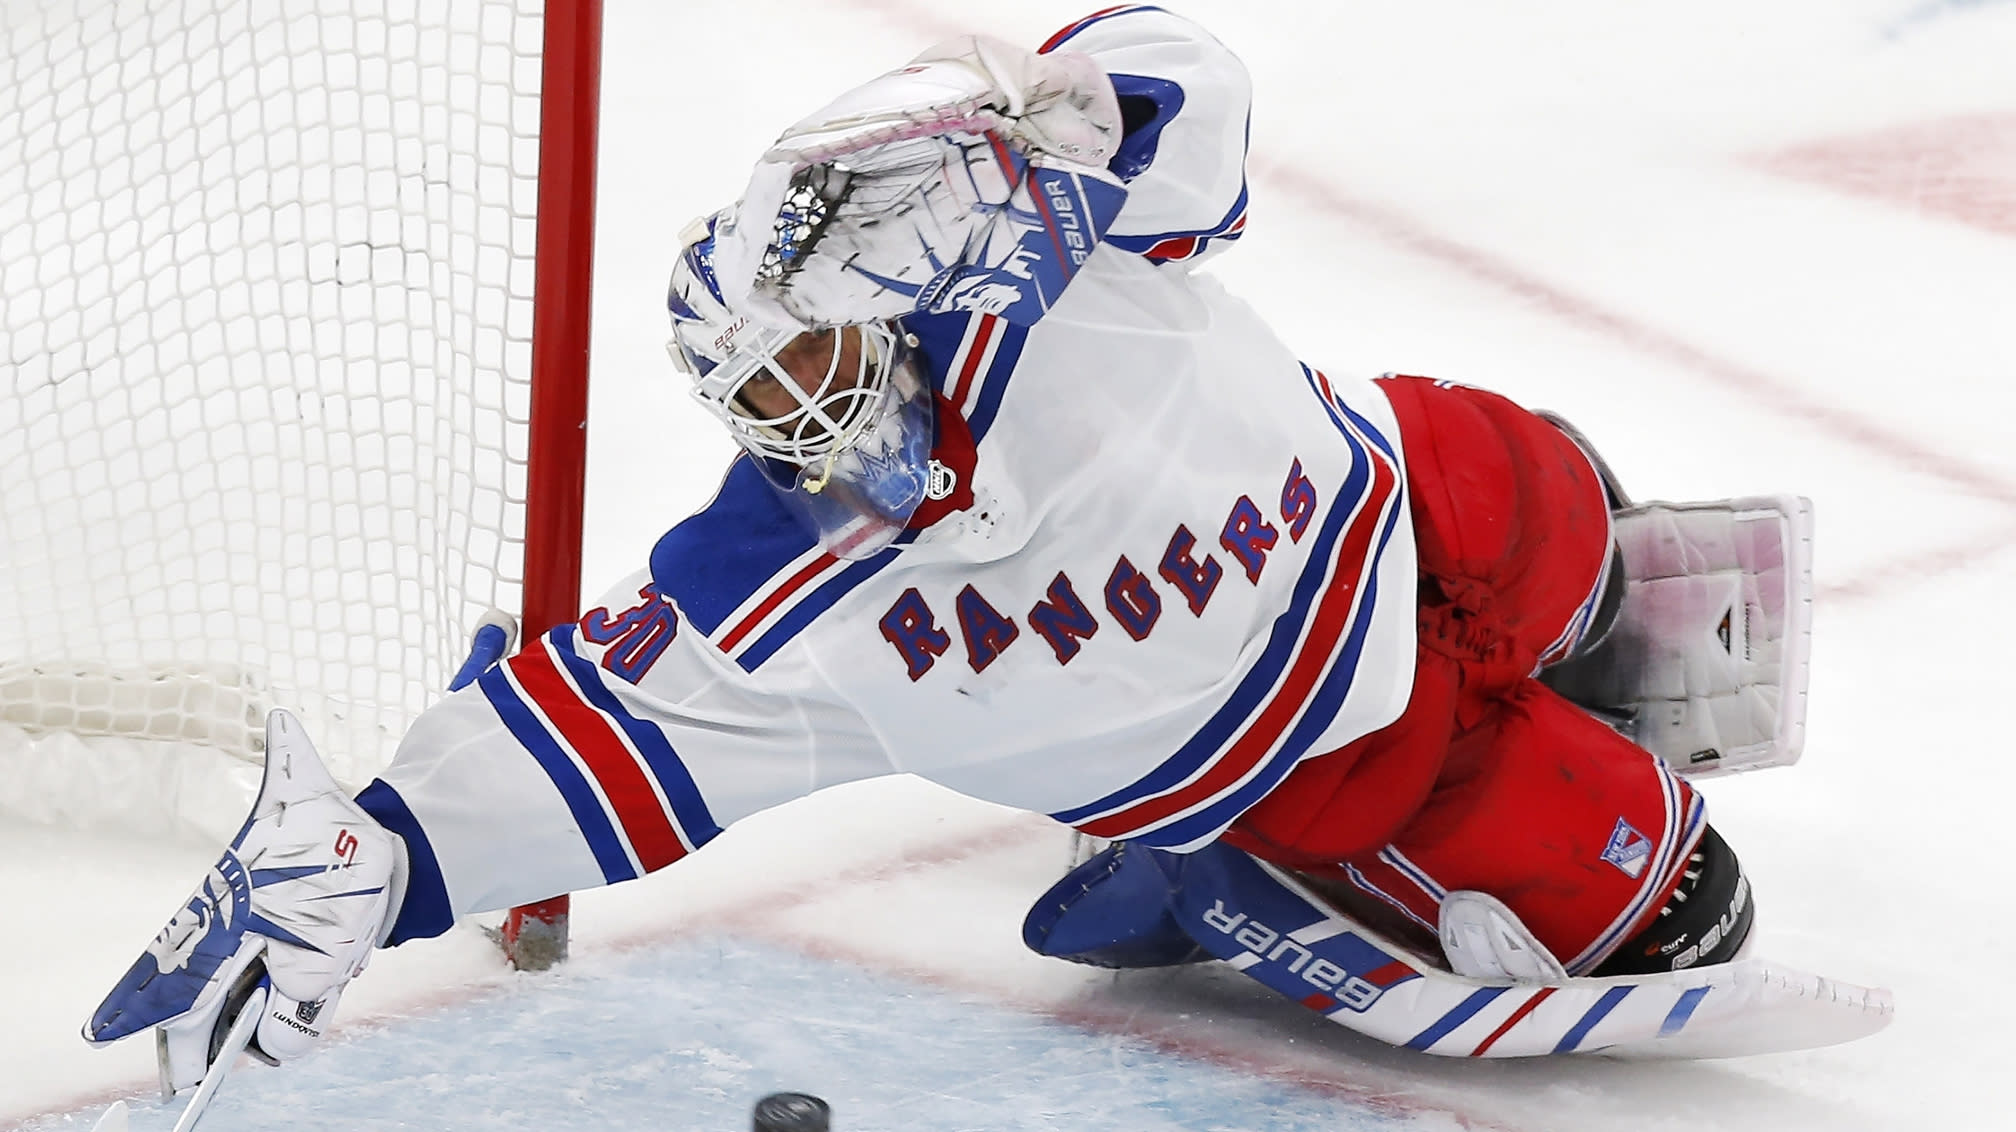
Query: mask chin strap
x=831 y=456
x=817 y=485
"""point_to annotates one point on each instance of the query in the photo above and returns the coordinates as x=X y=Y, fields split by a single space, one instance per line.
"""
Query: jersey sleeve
x=604 y=750
x=1185 y=101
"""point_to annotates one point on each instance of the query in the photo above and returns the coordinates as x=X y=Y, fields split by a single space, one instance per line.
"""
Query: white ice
x=1566 y=200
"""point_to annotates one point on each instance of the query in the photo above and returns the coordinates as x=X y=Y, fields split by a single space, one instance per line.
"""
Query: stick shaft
x=234 y=1044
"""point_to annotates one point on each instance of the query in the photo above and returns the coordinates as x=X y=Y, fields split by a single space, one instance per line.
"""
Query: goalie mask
x=846 y=443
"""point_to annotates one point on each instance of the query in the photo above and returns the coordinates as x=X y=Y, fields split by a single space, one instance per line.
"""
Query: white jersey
x=1185 y=565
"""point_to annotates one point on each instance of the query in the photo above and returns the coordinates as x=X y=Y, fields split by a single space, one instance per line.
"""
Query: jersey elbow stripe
x=586 y=737
x=971 y=360
x=582 y=800
x=1173 y=247
x=691 y=819
x=976 y=354
x=1289 y=697
x=629 y=792
x=780 y=609
x=791 y=618
x=1067 y=31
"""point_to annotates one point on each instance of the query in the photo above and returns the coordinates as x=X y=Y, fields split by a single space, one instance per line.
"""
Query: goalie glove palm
x=295 y=904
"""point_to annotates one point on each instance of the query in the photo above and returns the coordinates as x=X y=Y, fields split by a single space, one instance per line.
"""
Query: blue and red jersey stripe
x=1068 y=30
x=1302 y=676
x=629 y=793
x=1174 y=247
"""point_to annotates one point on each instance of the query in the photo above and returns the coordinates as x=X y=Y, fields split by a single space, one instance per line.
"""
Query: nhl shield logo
x=941 y=481
x=1629 y=850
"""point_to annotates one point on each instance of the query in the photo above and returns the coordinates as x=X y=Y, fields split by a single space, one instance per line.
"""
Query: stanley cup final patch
x=941 y=481
x=1629 y=850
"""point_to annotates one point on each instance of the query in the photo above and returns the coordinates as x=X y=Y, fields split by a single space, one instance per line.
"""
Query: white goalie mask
x=849 y=451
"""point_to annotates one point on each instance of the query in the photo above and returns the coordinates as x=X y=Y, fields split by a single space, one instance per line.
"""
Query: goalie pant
x=1490 y=781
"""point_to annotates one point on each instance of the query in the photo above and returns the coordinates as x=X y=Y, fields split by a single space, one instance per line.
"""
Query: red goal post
x=535 y=936
x=294 y=310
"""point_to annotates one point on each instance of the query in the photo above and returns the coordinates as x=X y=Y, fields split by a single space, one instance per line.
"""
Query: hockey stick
x=114 y=1119
x=227 y=1055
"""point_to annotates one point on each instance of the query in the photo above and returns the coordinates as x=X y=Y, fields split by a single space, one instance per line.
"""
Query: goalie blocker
x=257 y=958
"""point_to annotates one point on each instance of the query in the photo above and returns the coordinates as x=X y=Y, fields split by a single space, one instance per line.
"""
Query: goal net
x=266 y=383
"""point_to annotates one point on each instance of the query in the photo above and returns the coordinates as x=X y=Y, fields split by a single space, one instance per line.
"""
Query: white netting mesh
x=265 y=305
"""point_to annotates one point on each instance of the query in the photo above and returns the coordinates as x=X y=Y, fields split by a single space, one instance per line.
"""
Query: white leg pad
x=1749 y=1006
x=1709 y=658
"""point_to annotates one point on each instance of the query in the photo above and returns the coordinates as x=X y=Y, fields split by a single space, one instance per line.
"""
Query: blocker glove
x=293 y=908
x=973 y=179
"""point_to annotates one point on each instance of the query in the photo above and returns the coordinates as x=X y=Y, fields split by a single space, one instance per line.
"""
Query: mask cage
x=821 y=421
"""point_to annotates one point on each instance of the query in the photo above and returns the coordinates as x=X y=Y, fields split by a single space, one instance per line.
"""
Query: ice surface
x=683 y=1038
x=1611 y=210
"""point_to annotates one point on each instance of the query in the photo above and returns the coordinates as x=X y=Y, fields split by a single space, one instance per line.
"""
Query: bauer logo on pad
x=1628 y=850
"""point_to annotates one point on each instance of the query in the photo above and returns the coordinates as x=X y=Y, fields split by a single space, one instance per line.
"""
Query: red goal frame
x=534 y=936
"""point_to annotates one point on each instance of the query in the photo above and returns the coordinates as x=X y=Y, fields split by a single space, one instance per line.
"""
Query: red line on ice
x=1961 y=168
x=1970 y=159
x=1780 y=395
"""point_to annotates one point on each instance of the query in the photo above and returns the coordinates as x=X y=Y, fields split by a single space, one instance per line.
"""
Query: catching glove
x=973 y=179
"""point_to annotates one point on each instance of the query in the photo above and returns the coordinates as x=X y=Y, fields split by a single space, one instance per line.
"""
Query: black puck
x=792 y=1112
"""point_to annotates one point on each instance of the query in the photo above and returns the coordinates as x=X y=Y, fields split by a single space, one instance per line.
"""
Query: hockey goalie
x=1382 y=691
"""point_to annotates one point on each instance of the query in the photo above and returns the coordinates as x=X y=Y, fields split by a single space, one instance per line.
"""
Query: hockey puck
x=792 y=1112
